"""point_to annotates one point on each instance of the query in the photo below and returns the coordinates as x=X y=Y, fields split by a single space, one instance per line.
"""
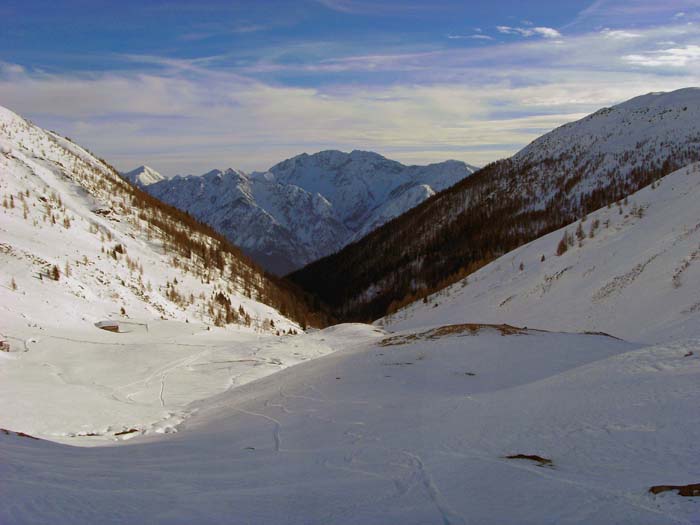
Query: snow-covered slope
x=308 y=206
x=632 y=270
x=414 y=428
x=647 y=123
x=143 y=176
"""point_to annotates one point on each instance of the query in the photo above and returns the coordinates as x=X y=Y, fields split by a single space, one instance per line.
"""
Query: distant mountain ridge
x=305 y=207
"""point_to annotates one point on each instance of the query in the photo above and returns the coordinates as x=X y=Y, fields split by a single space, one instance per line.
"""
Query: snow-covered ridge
x=631 y=270
x=308 y=206
x=642 y=128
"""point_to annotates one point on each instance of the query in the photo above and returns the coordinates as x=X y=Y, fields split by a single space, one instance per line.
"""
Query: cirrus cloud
x=190 y=115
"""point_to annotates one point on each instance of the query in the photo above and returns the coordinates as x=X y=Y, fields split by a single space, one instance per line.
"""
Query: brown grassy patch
x=692 y=490
x=451 y=330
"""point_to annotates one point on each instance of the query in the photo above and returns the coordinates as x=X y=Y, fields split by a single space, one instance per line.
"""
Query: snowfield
x=408 y=429
x=440 y=414
x=87 y=386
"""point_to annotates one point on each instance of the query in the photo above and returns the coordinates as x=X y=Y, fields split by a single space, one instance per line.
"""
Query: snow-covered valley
x=558 y=178
x=85 y=386
x=208 y=405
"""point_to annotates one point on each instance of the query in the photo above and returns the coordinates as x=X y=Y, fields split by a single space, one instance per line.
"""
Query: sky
x=186 y=87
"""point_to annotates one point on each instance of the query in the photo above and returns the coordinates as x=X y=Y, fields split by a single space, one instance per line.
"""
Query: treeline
x=504 y=205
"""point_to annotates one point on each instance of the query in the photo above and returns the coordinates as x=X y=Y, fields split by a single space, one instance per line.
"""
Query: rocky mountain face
x=557 y=179
x=308 y=206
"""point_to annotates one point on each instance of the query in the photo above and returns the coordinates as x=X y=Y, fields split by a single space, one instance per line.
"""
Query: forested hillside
x=554 y=181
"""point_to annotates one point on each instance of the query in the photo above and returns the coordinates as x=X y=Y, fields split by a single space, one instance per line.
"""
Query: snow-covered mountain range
x=565 y=174
x=305 y=207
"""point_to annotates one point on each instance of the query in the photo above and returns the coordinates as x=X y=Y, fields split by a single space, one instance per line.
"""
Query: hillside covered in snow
x=631 y=270
x=305 y=207
x=557 y=179
x=76 y=235
x=102 y=286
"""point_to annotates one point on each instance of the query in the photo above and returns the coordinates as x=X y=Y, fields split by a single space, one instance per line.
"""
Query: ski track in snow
x=449 y=517
x=275 y=431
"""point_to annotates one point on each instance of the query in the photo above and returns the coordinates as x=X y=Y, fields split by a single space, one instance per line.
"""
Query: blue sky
x=189 y=86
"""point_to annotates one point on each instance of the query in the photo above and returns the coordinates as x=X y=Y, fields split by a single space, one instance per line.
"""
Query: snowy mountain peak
x=143 y=176
x=228 y=173
x=645 y=125
x=8 y=117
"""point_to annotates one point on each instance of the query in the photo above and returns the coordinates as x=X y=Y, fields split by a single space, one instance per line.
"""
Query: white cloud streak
x=477 y=36
x=546 y=32
x=675 y=57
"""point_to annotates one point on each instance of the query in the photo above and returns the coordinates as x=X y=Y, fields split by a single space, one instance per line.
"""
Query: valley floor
x=408 y=427
x=85 y=386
